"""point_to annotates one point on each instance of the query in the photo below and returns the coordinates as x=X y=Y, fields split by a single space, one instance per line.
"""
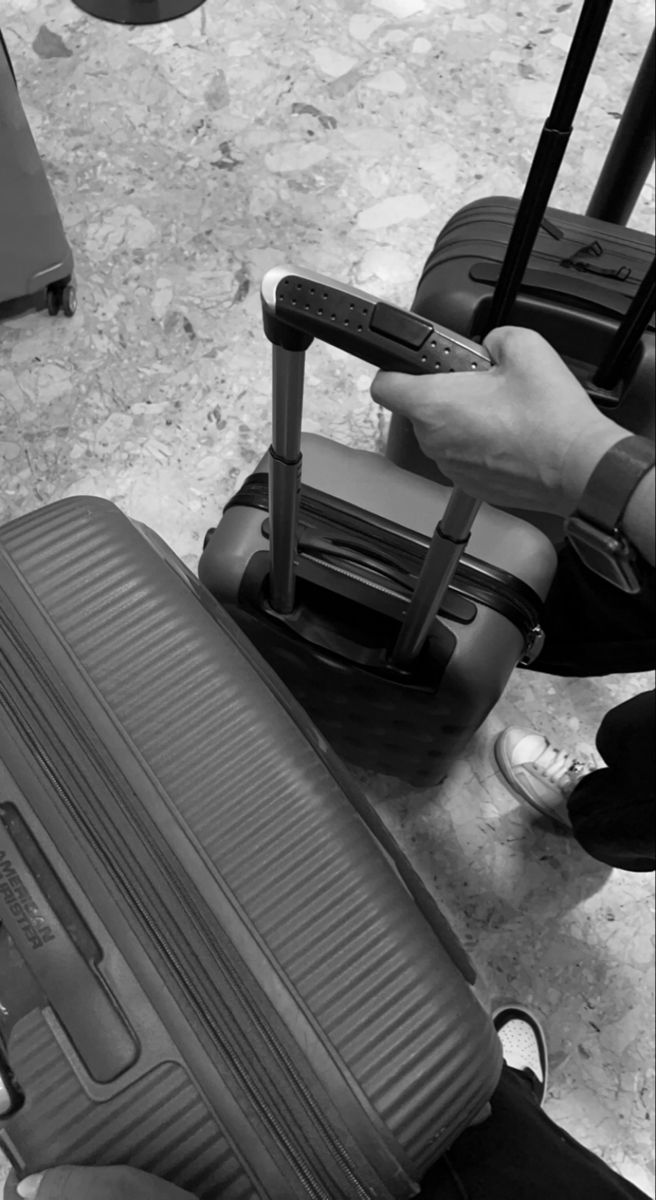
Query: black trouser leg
x=591 y=627
x=612 y=810
x=519 y=1153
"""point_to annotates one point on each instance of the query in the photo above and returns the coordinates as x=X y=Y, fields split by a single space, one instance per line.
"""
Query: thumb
x=94 y=1183
x=49 y=1185
x=409 y=395
x=511 y=347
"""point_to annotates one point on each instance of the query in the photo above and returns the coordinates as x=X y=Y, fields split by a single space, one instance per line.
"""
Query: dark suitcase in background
x=357 y=547
x=565 y=295
x=581 y=278
x=208 y=967
x=587 y=285
x=36 y=262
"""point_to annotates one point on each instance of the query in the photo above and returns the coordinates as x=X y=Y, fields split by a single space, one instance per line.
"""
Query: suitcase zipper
x=474 y=579
x=80 y=809
x=633 y=254
x=623 y=274
x=570 y=249
x=505 y=214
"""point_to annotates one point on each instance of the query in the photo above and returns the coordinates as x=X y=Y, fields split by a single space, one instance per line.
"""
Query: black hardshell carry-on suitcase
x=340 y=590
x=208 y=967
x=586 y=285
x=36 y=261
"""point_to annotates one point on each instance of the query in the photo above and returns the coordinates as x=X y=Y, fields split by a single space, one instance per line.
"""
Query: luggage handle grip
x=299 y=306
x=54 y=957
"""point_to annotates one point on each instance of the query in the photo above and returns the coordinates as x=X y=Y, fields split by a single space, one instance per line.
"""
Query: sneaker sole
x=525 y=1014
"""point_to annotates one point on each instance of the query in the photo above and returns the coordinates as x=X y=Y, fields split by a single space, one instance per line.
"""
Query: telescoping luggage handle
x=547 y=159
x=298 y=306
x=627 y=337
x=542 y=176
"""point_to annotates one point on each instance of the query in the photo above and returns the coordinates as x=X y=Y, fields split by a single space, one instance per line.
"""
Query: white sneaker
x=539 y=772
x=524 y=1044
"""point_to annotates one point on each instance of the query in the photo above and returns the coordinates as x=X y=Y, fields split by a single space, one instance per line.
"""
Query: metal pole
x=447 y=545
x=631 y=153
x=629 y=333
x=285 y=474
x=548 y=157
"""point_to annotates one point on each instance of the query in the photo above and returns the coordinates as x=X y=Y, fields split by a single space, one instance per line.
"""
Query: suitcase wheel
x=62 y=296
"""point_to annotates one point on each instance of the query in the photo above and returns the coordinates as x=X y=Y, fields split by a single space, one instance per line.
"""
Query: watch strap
x=614 y=480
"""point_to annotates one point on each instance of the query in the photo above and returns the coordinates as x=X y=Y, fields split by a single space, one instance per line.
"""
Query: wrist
x=582 y=457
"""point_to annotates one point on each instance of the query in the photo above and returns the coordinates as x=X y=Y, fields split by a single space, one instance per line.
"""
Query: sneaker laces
x=561 y=769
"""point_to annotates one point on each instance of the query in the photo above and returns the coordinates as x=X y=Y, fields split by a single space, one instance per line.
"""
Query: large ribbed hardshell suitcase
x=343 y=589
x=36 y=261
x=209 y=969
x=587 y=285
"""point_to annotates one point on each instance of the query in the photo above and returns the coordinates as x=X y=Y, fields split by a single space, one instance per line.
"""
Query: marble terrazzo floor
x=188 y=158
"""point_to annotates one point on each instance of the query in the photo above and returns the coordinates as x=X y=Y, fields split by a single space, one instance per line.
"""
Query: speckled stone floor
x=187 y=159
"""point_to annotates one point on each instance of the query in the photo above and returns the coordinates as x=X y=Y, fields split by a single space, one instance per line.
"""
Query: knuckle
x=518 y=339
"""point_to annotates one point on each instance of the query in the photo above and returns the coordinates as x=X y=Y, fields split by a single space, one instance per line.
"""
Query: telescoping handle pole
x=631 y=154
x=298 y=306
x=631 y=329
x=547 y=159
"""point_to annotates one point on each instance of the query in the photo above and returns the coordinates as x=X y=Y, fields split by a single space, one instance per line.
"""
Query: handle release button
x=400 y=326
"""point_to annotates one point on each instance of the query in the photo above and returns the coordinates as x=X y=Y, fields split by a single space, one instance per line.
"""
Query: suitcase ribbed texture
x=175 y=1131
x=482 y=229
x=249 y=785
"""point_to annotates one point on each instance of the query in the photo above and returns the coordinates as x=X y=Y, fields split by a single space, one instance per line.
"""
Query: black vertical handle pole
x=442 y=557
x=631 y=153
x=548 y=157
x=633 y=325
x=285 y=474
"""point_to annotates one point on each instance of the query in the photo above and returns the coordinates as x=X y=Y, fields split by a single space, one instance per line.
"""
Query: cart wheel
x=69 y=300
x=54 y=301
